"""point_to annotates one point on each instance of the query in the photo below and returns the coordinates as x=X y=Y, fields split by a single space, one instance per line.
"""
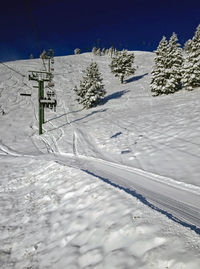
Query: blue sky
x=64 y=25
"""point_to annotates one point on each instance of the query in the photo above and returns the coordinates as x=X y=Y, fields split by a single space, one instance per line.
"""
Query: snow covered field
x=116 y=186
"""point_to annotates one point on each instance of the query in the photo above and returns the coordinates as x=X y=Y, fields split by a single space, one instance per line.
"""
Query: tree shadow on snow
x=115 y=95
x=135 y=78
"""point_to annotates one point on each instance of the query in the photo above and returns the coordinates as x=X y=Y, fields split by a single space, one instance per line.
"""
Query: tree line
x=91 y=89
x=174 y=69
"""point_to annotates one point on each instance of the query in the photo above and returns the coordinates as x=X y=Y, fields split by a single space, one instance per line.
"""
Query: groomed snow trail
x=179 y=202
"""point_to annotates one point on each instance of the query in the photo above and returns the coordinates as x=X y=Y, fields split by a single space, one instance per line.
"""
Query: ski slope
x=130 y=166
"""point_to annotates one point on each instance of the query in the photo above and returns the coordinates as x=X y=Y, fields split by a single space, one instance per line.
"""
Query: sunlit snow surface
x=56 y=209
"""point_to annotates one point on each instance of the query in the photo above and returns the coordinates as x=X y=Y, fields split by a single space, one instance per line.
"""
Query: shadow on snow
x=135 y=78
x=115 y=95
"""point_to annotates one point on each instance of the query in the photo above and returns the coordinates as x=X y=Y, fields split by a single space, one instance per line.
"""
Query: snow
x=116 y=186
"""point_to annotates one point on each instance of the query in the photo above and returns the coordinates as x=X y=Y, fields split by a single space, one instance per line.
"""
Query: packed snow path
x=176 y=200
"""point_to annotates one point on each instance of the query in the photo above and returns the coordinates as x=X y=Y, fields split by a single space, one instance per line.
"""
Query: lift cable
x=34 y=29
x=12 y=69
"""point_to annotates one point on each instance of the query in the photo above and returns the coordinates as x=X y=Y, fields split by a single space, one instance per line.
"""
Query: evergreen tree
x=111 y=51
x=77 y=51
x=174 y=65
x=188 y=46
x=107 y=51
x=98 y=52
x=191 y=67
x=166 y=74
x=159 y=74
x=103 y=51
x=31 y=56
x=91 y=89
x=122 y=65
x=94 y=50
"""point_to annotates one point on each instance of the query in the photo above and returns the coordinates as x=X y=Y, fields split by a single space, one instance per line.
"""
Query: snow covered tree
x=94 y=50
x=98 y=52
x=122 y=65
x=188 y=46
x=174 y=65
x=159 y=74
x=107 y=51
x=111 y=51
x=31 y=56
x=103 y=51
x=166 y=74
x=91 y=89
x=77 y=51
x=191 y=67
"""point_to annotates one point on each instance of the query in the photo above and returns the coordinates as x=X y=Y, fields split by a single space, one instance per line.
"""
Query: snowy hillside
x=116 y=186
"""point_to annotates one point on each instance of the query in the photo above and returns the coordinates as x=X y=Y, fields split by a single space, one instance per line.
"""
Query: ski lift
x=25 y=94
x=50 y=93
x=49 y=102
x=51 y=53
x=51 y=84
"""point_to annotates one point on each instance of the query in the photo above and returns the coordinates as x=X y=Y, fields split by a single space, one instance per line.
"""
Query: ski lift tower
x=44 y=99
x=40 y=77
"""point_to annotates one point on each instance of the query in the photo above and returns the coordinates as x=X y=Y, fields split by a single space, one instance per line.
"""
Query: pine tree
x=107 y=51
x=191 y=67
x=98 y=52
x=77 y=51
x=174 y=65
x=159 y=74
x=122 y=65
x=166 y=74
x=103 y=51
x=91 y=88
x=188 y=46
x=94 y=50
x=111 y=51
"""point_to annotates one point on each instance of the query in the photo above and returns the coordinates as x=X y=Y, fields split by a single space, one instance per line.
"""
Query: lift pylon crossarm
x=40 y=75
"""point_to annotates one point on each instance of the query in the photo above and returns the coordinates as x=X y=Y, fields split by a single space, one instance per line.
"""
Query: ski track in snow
x=62 y=188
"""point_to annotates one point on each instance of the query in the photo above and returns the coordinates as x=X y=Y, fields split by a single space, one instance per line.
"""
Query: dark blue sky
x=64 y=25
